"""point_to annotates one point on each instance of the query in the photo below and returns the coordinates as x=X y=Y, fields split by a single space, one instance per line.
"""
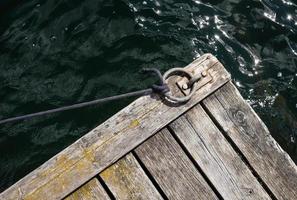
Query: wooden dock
x=213 y=147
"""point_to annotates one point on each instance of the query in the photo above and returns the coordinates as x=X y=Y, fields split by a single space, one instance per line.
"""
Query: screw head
x=204 y=73
x=185 y=86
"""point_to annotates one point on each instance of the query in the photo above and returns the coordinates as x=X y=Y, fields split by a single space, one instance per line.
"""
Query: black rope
x=79 y=105
x=160 y=89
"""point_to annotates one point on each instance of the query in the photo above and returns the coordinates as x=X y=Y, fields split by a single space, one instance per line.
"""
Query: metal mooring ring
x=179 y=72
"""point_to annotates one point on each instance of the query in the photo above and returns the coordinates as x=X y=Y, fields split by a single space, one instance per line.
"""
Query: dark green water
x=58 y=52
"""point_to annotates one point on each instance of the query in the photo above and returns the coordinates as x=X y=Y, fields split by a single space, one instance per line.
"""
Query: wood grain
x=92 y=190
x=250 y=135
x=172 y=169
x=127 y=180
x=216 y=157
x=108 y=142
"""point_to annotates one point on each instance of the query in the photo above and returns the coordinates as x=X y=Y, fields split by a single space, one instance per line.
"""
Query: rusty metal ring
x=179 y=72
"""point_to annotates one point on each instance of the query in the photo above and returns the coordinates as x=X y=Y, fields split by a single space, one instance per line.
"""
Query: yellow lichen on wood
x=83 y=192
x=118 y=169
x=134 y=123
x=60 y=180
x=62 y=162
x=89 y=191
x=127 y=180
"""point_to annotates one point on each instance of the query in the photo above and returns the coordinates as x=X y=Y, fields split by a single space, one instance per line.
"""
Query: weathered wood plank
x=108 y=142
x=251 y=136
x=216 y=157
x=172 y=169
x=127 y=180
x=90 y=191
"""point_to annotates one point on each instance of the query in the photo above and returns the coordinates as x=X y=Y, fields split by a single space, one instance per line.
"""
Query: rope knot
x=161 y=88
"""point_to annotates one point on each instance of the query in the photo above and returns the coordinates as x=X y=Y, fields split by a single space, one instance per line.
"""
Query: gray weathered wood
x=127 y=180
x=215 y=156
x=251 y=136
x=92 y=190
x=108 y=142
x=172 y=169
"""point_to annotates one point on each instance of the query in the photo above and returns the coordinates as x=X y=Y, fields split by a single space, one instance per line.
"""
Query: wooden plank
x=172 y=169
x=216 y=157
x=108 y=142
x=90 y=191
x=127 y=180
x=250 y=135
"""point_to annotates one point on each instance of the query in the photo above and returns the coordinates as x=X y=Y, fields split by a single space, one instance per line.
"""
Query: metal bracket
x=201 y=75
